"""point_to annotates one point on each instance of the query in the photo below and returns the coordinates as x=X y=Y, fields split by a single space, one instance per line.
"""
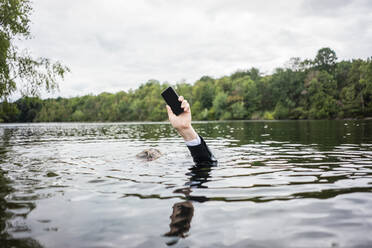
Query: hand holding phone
x=179 y=114
x=171 y=98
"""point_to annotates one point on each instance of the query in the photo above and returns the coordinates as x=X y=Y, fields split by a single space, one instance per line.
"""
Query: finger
x=187 y=108
x=183 y=104
x=181 y=98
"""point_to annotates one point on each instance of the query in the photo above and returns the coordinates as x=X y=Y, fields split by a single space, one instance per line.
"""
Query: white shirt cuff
x=194 y=142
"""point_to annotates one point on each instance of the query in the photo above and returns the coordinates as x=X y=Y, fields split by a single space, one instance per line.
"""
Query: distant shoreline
x=321 y=88
x=194 y=121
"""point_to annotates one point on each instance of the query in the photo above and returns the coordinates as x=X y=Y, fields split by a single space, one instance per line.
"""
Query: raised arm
x=197 y=146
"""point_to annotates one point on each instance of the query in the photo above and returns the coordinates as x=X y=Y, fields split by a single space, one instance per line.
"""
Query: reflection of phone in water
x=171 y=98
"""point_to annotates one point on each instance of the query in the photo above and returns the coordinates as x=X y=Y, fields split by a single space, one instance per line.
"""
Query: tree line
x=319 y=88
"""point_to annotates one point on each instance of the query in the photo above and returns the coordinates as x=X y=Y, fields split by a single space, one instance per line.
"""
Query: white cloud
x=116 y=45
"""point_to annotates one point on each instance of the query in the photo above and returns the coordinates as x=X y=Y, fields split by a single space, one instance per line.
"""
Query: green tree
x=325 y=59
x=220 y=104
x=8 y=112
x=253 y=73
x=78 y=115
x=366 y=85
x=20 y=68
x=28 y=107
x=250 y=95
x=351 y=95
x=281 y=111
x=286 y=88
x=204 y=92
x=301 y=90
x=322 y=91
x=238 y=111
x=342 y=70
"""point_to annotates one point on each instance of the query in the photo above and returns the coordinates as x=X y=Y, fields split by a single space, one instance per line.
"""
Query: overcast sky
x=116 y=45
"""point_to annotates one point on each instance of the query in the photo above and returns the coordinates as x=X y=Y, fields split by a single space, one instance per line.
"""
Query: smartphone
x=171 y=98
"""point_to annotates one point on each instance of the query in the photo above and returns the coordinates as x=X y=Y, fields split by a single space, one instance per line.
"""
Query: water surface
x=277 y=184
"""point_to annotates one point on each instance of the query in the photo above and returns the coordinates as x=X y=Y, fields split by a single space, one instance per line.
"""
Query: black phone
x=171 y=98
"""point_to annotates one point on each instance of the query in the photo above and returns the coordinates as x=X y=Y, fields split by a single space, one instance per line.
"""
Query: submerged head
x=149 y=154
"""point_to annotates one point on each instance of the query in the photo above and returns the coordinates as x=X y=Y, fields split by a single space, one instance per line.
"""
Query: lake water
x=277 y=184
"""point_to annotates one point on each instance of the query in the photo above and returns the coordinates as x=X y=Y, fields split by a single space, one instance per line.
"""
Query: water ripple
x=85 y=178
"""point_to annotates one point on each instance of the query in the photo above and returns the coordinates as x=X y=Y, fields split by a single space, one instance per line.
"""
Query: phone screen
x=171 y=98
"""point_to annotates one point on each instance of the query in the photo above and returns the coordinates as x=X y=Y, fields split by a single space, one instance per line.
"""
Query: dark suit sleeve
x=201 y=154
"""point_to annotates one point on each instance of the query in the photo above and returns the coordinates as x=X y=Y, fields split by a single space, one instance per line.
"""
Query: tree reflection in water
x=184 y=211
x=6 y=215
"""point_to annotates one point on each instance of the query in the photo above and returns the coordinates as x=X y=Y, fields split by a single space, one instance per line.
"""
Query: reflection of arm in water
x=197 y=146
x=181 y=219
